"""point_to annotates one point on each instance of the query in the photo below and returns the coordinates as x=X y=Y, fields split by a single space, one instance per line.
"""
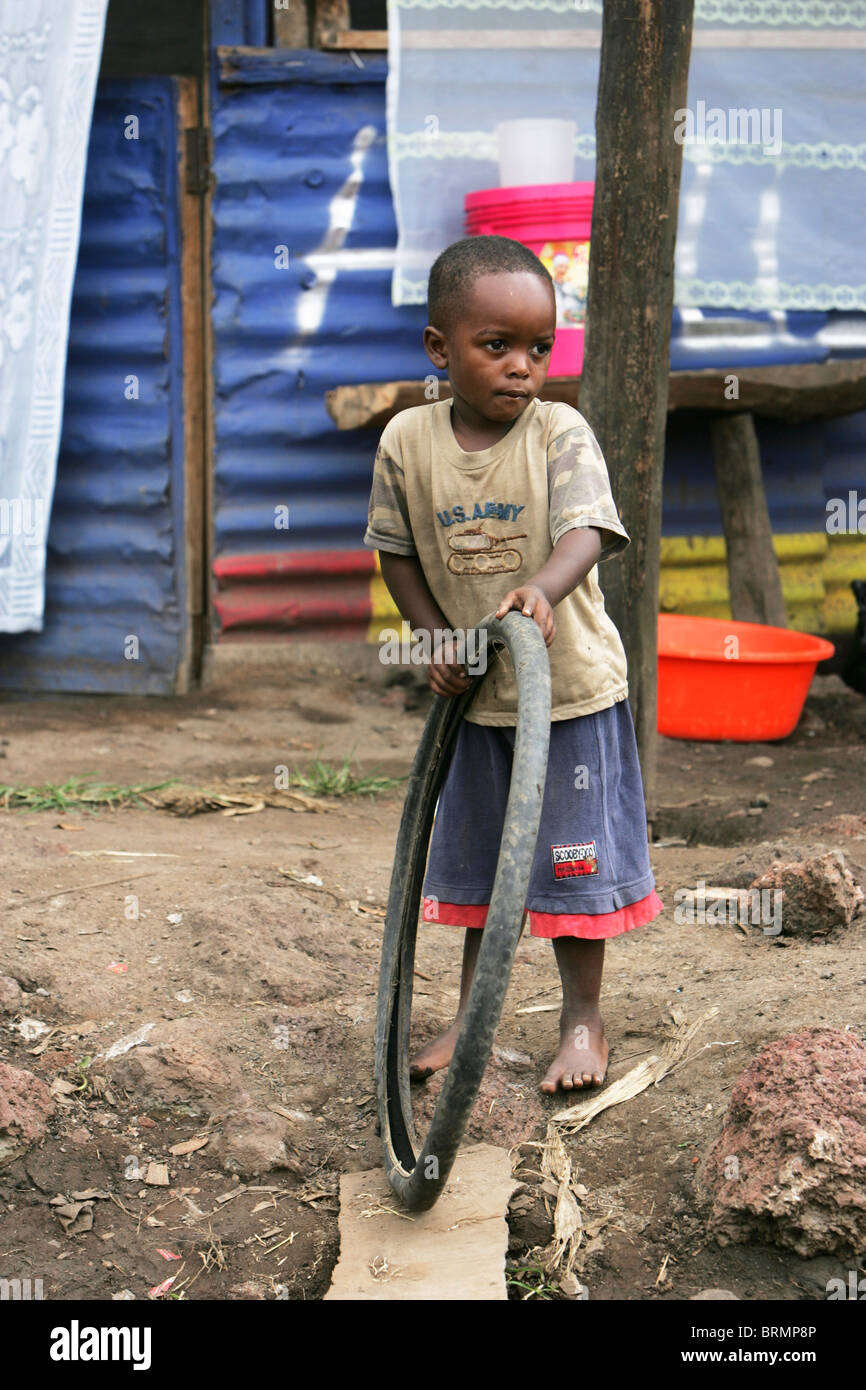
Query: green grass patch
x=322 y=779
x=75 y=794
x=530 y=1280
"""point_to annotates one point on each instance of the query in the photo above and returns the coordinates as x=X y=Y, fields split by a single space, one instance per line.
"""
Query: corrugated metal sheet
x=300 y=163
x=115 y=545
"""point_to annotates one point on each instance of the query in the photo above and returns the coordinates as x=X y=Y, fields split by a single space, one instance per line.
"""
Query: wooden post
x=291 y=24
x=645 y=50
x=195 y=403
x=753 y=570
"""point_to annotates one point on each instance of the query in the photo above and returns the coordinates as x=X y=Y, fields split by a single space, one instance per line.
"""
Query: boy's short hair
x=454 y=272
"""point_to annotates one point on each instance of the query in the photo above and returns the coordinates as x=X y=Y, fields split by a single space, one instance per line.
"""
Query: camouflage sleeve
x=388 y=526
x=579 y=489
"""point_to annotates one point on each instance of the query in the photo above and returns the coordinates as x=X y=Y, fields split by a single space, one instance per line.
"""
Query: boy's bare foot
x=581 y=1061
x=435 y=1055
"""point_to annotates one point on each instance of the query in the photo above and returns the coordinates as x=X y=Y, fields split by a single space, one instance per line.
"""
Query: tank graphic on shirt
x=477 y=552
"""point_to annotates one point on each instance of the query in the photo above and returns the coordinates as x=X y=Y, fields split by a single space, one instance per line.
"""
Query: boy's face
x=497 y=350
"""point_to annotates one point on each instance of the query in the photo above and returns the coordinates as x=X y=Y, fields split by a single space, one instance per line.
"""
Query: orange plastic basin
x=727 y=680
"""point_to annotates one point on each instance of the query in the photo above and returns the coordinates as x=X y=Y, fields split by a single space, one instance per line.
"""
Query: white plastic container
x=535 y=151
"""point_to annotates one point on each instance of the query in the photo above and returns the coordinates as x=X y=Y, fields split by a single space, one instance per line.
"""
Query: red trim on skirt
x=588 y=926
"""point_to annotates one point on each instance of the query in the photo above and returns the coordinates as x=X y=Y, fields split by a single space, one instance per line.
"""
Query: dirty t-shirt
x=483 y=523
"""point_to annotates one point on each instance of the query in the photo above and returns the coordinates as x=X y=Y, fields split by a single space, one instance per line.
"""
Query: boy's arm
x=405 y=581
x=570 y=562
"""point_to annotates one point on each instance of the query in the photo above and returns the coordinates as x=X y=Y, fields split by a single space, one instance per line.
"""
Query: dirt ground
x=282 y=975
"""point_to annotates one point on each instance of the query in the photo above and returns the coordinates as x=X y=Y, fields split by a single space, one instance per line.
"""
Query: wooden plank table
x=805 y=391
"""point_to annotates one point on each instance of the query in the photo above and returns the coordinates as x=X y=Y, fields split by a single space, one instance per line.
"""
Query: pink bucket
x=554 y=221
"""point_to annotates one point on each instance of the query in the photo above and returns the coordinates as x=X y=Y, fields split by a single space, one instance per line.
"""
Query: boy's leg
x=582 y=1057
x=438 y=1053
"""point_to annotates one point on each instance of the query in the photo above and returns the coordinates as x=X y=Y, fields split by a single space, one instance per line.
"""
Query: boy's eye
x=541 y=349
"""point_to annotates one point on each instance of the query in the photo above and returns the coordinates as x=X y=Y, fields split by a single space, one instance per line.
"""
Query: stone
x=789 y=1167
x=253 y=1142
x=249 y=1289
x=177 y=1068
x=25 y=1105
x=10 y=995
x=706 y=1295
x=819 y=893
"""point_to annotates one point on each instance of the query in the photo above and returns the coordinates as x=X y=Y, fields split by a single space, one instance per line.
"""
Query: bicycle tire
x=418 y=1178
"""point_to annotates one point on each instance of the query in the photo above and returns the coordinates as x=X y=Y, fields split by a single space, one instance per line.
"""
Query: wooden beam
x=194 y=392
x=753 y=570
x=806 y=391
x=375 y=40
x=643 y=79
x=802 y=391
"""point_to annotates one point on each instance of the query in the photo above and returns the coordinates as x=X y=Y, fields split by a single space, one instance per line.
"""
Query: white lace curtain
x=49 y=59
x=772 y=203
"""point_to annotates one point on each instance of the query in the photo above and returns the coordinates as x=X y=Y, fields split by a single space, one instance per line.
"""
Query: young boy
x=495 y=500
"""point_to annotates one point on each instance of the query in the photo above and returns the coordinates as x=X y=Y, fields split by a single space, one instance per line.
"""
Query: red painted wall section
x=305 y=595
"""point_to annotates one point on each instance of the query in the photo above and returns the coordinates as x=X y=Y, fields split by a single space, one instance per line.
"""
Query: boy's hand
x=446 y=677
x=531 y=601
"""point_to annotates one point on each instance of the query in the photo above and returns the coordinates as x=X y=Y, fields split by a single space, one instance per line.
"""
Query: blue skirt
x=591 y=874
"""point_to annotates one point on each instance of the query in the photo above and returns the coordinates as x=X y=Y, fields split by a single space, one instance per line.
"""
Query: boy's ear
x=435 y=346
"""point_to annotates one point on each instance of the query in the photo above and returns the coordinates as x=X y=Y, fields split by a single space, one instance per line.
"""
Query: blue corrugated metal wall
x=284 y=135
x=289 y=130
x=115 y=545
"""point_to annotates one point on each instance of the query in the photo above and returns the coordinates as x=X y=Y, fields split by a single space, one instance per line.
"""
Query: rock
x=761 y=761
x=789 y=1167
x=254 y=1142
x=511 y=1058
x=819 y=893
x=249 y=1289
x=177 y=1068
x=10 y=995
x=706 y=1294
x=530 y=1226
x=853 y=826
x=30 y=1029
x=811 y=724
x=571 y=1286
x=25 y=1104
